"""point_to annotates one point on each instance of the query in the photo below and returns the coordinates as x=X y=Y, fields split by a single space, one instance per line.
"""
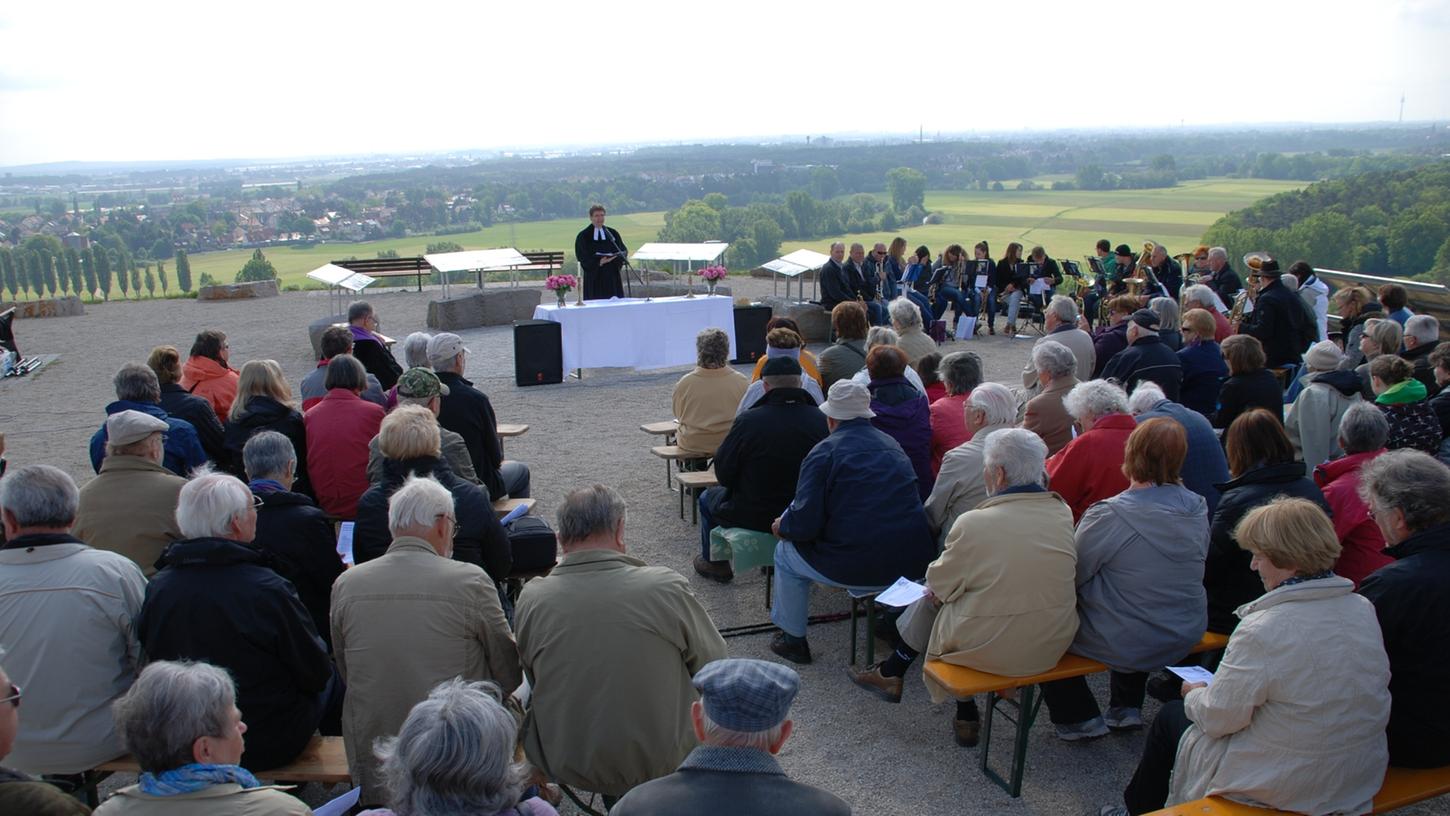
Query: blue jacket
x=1205 y=467
x=1203 y=374
x=1148 y=359
x=857 y=516
x=183 y=447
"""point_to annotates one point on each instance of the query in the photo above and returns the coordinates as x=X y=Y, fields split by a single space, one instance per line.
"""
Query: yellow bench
x=323 y=760
x=963 y=682
x=1402 y=787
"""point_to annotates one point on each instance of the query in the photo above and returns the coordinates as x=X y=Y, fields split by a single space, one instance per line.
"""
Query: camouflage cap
x=421 y=383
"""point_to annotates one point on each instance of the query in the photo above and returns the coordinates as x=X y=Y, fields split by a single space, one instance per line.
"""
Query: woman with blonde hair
x=264 y=403
x=1381 y=336
x=1204 y=369
x=1357 y=306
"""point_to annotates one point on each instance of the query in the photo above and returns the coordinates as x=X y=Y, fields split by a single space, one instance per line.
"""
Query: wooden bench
x=415 y=267
x=666 y=429
x=323 y=760
x=503 y=507
x=1402 y=787
x=963 y=682
x=674 y=453
x=507 y=431
x=694 y=481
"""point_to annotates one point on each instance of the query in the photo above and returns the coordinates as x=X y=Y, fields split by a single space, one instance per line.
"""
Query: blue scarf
x=194 y=777
x=1299 y=579
x=266 y=486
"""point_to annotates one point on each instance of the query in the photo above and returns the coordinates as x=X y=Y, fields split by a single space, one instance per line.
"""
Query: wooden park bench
x=1402 y=787
x=694 y=481
x=323 y=761
x=675 y=453
x=507 y=431
x=503 y=507
x=390 y=268
x=666 y=429
x=962 y=682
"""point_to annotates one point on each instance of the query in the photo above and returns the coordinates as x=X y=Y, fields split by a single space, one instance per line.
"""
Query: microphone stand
x=628 y=267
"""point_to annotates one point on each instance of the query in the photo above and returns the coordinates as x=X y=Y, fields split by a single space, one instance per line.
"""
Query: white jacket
x=1295 y=718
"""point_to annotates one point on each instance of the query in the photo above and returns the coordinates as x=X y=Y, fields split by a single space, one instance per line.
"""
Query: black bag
x=533 y=542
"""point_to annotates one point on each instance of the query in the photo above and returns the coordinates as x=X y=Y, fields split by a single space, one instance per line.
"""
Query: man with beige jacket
x=130 y=508
x=409 y=620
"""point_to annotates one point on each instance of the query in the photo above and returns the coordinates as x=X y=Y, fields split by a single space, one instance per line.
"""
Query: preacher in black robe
x=601 y=281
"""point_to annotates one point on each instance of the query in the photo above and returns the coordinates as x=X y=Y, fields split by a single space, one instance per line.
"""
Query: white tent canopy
x=476 y=260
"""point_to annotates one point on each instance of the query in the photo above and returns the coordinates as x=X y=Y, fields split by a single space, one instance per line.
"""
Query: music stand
x=980 y=274
x=1071 y=269
x=340 y=281
x=475 y=260
x=792 y=266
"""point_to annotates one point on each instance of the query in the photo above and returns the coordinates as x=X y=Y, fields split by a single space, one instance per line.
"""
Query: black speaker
x=750 y=333
x=538 y=353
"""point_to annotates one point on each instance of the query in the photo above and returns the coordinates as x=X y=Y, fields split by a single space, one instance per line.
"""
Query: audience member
x=66 y=613
x=1406 y=492
x=415 y=350
x=1422 y=334
x=1249 y=384
x=455 y=754
x=836 y=284
x=1380 y=338
x=20 y=793
x=882 y=336
x=335 y=340
x=1090 y=467
x=856 y=520
x=1046 y=415
x=1312 y=421
x=847 y=355
x=207 y=373
x=182 y=723
x=138 y=390
x=1262 y=464
x=961 y=371
x=1110 y=339
x=1295 y=717
x=176 y=401
x=1017 y=544
x=1222 y=280
x=338 y=430
x=1059 y=320
x=807 y=361
x=1147 y=357
x=927 y=368
x=1440 y=359
x=217 y=599
x=1396 y=302
x=1362 y=436
x=1277 y=320
x=1315 y=294
x=741 y=722
x=1203 y=297
x=466 y=411
x=786 y=343
x=757 y=464
x=264 y=403
x=130 y=508
x=420 y=386
x=1357 y=307
x=901 y=411
x=1413 y=423
x=409 y=443
x=906 y=321
x=410 y=619
x=705 y=399
x=602 y=607
x=1140 y=598
x=1168 y=322
x=1202 y=360
x=290 y=528
x=368 y=347
x=961 y=484
x=1204 y=465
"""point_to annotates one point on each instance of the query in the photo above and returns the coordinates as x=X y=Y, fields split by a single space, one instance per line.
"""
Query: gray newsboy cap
x=746 y=695
x=126 y=427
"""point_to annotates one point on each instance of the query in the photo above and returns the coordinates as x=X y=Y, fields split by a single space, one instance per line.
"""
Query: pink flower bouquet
x=560 y=283
x=713 y=273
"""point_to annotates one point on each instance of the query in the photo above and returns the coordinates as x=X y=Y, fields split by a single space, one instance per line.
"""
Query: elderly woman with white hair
x=1382 y=336
x=218 y=599
x=704 y=400
x=455 y=755
x=1325 y=393
x=1015 y=544
x=1362 y=435
x=960 y=485
x=1046 y=415
x=1168 y=317
x=1090 y=467
x=883 y=336
x=906 y=320
x=1202 y=297
x=1060 y=319
x=960 y=372
x=182 y=724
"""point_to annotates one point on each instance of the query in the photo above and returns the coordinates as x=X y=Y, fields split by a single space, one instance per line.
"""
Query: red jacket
x=338 y=431
x=1361 y=543
x=1090 y=468
x=948 y=428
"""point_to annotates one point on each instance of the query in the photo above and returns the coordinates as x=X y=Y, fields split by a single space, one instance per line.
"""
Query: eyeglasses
x=14 y=698
x=448 y=516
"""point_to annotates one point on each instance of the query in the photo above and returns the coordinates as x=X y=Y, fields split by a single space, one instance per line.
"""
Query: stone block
x=491 y=307
x=814 y=321
x=238 y=291
x=68 y=306
x=317 y=327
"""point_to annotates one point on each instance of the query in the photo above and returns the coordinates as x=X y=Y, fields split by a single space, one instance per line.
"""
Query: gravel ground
x=881 y=758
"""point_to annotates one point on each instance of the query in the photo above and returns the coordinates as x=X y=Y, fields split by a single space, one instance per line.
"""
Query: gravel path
x=881 y=758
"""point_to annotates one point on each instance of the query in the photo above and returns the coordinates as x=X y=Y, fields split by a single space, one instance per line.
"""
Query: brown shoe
x=871 y=679
x=714 y=570
x=966 y=732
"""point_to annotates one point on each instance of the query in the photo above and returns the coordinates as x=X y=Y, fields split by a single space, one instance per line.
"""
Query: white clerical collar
x=599 y=233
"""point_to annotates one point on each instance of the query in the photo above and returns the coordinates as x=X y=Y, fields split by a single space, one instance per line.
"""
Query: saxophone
x=1236 y=314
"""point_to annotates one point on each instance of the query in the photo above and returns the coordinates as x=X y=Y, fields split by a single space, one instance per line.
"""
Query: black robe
x=600 y=282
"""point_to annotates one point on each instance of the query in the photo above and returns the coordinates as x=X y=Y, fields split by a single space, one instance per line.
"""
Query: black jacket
x=298 y=536
x=378 y=361
x=1412 y=600
x=600 y=282
x=468 y=413
x=1147 y=359
x=220 y=601
x=1226 y=574
x=1006 y=273
x=479 y=538
x=1441 y=405
x=867 y=282
x=180 y=403
x=266 y=414
x=1278 y=322
x=760 y=458
x=1245 y=392
x=1227 y=284
x=1170 y=274
x=835 y=285
x=1419 y=357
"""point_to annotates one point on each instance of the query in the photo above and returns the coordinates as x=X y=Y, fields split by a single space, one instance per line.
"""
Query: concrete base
x=69 y=306
x=317 y=327
x=814 y=321
x=491 y=307
x=238 y=291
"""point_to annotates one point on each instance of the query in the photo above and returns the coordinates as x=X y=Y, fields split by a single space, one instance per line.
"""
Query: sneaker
x=1091 y=729
x=871 y=679
x=965 y=732
x=792 y=649
x=714 y=570
x=1123 y=718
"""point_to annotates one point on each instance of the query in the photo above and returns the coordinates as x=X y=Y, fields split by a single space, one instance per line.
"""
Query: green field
x=1067 y=223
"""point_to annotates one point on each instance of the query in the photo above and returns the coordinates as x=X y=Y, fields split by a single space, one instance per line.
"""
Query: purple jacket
x=903 y=413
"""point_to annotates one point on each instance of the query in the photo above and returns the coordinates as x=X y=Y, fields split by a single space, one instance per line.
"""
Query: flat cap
x=420 y=383
x=746 y=695
x=1145 y=318
x=780 y=366
x=126 y=427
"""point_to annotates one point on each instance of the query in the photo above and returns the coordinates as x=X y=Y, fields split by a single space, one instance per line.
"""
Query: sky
x=162 y=80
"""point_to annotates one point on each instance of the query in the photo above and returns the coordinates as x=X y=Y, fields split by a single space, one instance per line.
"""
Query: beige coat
x=1007 y=583
x=1048 y=418
x=130 y=508
x=916 y=344
x=1295 y=718
x=609 y=646
x=959 y=484
x=402 y=624
x=704 y=403
x=228 y=799
x=1079 y=342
